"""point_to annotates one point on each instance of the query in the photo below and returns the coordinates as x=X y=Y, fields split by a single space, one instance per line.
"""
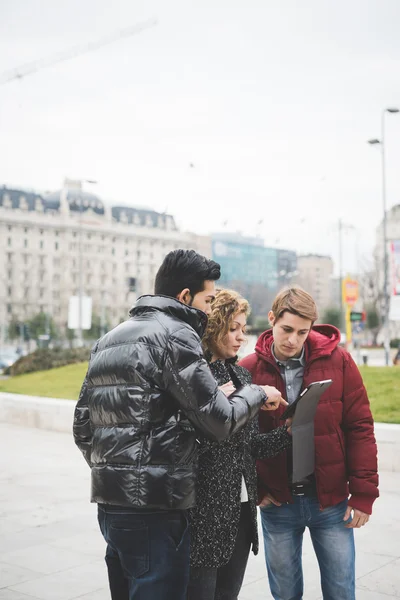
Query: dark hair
x=182 y=269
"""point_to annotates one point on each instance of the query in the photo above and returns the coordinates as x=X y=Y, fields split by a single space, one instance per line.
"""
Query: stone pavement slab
x=51 y=548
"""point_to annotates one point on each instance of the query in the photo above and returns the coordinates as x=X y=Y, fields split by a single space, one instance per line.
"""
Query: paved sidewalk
x=51 y=549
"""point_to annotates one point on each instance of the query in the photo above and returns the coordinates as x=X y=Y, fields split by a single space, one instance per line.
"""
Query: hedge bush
x=44 y=359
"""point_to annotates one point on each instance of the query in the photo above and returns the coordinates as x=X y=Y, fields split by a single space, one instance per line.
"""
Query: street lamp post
x=386 y=328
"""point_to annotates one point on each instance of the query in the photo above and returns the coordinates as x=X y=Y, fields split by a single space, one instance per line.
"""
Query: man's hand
x=227 y=388
x=274 y=398
x=269 y=499
x=359 y=518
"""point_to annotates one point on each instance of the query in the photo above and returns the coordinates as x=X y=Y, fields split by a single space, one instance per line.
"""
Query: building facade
x=53 y=246
x=393 y=265
x=315 y=273
x=256 y=271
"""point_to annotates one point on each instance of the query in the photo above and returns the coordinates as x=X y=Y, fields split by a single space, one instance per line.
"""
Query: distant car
x=7 y=359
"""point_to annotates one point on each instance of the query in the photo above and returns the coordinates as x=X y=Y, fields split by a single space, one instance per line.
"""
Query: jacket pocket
x=131 y=541
x=178 y=529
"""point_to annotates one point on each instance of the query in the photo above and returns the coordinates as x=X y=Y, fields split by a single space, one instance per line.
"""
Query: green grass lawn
x=383 y=386
x=62 y=382
x=382 y=383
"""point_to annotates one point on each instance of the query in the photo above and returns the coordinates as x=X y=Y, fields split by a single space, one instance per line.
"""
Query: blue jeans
x=147 y=553
x=283 y=528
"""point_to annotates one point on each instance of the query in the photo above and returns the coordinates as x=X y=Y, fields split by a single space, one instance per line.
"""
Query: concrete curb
x=54 y=414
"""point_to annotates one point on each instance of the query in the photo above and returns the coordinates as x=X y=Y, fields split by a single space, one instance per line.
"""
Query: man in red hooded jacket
x=290 y=356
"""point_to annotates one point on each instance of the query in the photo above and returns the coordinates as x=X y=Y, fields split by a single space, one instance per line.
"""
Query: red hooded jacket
x=345 y=446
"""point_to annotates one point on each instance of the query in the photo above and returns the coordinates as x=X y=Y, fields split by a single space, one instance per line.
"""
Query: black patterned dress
x=215 y=518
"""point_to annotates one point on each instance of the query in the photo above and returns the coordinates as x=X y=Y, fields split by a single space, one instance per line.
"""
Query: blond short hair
x=296 y=301
x=226 y=304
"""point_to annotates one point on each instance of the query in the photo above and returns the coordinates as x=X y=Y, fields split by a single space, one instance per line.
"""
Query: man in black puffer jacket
x=147 y=393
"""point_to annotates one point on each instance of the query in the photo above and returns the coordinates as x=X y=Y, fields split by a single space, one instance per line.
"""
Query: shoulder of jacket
x=249 y=361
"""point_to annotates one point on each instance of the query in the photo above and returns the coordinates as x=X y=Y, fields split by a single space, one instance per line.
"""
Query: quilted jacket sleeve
x=81 y=427
x=189 y=380
x=361 y=449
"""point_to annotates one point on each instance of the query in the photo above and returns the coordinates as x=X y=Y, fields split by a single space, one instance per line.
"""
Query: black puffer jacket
x=147 y=390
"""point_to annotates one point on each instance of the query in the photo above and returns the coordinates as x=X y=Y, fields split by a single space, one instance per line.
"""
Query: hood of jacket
x=321 y=341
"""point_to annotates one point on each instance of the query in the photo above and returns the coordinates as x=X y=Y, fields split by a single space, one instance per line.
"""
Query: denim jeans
x=147 y=553
x=224 y=583
x=283 y=528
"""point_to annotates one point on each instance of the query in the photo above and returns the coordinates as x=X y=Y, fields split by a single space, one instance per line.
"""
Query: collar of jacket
x=322 y=341
x=192 y=316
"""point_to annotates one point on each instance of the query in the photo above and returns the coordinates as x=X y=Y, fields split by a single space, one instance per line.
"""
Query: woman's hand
x=227 y=388
x=274 y=399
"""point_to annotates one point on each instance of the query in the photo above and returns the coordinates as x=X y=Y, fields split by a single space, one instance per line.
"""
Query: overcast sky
x=272 y=102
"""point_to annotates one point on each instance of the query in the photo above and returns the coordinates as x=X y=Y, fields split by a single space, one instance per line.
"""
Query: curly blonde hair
x=226 y=304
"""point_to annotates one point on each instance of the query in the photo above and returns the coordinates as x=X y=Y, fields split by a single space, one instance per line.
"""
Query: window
x=9 y=242
x=25 y=243
x=9 y=227
x=25 y=230
x=56 y=233
x=113 y=251
x=56 y=246
x=9 y=308
x=9 y=273
x=41 y=244
x=10 y=291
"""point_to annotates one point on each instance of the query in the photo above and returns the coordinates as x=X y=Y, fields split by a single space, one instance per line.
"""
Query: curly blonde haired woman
x=224 y=521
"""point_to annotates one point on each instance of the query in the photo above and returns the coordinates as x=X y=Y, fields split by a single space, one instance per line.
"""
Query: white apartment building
x=47 y=241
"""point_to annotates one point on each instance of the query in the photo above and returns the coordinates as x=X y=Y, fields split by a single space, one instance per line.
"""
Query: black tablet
x=315 y=389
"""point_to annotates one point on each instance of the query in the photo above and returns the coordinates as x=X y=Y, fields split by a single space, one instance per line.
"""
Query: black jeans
x=224 y=583
x=147 y=553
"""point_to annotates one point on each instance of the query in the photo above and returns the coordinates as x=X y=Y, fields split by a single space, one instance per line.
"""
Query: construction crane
x=36 y=65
